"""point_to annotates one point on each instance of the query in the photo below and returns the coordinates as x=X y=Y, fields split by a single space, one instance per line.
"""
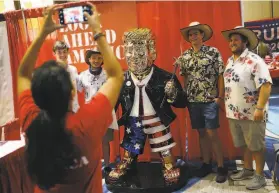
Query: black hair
x=49 y=150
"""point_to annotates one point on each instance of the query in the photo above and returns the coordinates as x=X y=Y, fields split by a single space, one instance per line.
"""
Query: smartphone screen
x=73 y=14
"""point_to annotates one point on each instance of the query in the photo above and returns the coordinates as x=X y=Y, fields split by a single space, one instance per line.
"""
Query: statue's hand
x=171 y=91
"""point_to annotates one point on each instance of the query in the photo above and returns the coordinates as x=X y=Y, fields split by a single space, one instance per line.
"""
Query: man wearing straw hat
x=247 y=89
x=91 y=81
x=202 y=67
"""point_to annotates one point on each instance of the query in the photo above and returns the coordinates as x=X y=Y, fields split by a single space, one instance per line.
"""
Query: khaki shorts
x=248 y=133
x=109 y=135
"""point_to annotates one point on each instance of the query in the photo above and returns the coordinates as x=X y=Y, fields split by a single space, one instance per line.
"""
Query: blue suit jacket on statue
x=155 y=90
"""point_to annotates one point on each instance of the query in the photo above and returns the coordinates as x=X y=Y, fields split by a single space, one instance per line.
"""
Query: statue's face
x=139 y=48
x=137 y=56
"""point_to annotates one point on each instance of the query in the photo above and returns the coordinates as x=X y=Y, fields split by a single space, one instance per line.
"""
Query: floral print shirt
x=202 y=70
x=243 y=79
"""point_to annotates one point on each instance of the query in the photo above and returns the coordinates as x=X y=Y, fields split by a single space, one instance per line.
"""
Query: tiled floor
x=208 y=185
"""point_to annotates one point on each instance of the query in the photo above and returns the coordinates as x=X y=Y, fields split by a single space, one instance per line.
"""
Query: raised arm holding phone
x=63 y=149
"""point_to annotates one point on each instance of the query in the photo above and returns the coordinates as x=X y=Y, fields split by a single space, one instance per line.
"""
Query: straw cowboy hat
x=89 y=53
x=196 y=25
x=249 y=34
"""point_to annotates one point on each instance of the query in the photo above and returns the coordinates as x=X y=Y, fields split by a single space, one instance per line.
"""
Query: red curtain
x=165 y=19
x=19 y=41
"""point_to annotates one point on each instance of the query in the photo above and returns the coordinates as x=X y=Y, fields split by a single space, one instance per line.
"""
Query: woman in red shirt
x=63 y=149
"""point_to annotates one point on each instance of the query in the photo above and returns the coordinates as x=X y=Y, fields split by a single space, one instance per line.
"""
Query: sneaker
x=242 y=175
x=204 y=170
x=222 y=174
x=256 y=183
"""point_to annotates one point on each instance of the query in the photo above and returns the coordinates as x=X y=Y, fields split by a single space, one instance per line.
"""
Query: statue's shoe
x=123 y=179
x=171 y=176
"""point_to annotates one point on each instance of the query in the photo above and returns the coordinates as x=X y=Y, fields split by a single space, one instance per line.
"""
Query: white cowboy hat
x=249 y=34
x=196 y=25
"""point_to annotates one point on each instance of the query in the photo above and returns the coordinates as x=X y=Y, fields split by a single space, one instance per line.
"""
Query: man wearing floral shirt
x=247 y=89
x=202 y=67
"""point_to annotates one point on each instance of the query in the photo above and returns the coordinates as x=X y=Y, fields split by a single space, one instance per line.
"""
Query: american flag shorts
x=139 y=128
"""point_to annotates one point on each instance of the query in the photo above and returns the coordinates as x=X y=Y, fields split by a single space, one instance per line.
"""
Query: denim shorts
x=204 y=115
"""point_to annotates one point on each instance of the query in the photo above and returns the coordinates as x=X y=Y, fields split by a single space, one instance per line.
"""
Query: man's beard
x=238 y=51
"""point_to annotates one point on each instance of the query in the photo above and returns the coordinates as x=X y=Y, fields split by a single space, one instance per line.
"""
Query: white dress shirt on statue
x=147 y=106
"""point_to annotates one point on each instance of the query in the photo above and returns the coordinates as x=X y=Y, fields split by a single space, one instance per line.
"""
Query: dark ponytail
x=49 y=149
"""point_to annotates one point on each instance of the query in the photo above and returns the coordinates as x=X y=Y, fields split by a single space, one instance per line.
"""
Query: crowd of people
x=65 y=141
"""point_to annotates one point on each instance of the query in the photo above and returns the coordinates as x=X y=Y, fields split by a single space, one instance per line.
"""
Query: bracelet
x=260 y=109
x=98 y=35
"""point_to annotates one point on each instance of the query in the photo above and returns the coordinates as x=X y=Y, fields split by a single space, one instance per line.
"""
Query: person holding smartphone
x=63 y=148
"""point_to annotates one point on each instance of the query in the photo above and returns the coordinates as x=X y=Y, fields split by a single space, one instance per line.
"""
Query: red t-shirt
x=88 y=126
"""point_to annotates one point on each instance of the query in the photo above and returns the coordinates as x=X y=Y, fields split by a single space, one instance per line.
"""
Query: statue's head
x=140 y=51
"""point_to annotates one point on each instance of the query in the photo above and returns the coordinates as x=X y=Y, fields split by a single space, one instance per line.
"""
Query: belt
x=148 y=117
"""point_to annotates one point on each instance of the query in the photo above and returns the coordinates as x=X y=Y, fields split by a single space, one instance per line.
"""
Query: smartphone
x=74 y=14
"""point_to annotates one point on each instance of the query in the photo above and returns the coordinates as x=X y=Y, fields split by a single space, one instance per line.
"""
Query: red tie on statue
x=141 y=112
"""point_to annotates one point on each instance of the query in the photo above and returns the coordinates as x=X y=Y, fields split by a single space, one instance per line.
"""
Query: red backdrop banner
x=165 y=19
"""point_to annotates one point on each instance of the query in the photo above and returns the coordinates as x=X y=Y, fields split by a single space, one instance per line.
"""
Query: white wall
x=6 y=85
x=257 y=10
